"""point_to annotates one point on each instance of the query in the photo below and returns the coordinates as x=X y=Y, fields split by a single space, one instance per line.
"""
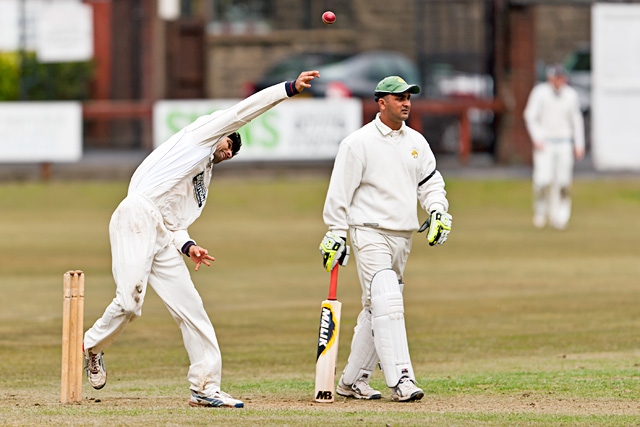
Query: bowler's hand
x=579 y=153
x=304 y=79
x=538 y=145
x=200 y=255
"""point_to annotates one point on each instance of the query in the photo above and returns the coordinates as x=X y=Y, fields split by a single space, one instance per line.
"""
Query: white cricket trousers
x=374 y=251
x=142 y=252
x=552 y=178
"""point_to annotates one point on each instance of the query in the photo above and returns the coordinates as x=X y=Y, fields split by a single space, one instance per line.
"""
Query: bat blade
x=328 y=335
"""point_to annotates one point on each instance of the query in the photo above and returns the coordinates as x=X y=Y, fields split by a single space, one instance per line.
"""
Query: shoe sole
x=98 y=387
x=205 y=404
x=355 y=395
x=416 y=395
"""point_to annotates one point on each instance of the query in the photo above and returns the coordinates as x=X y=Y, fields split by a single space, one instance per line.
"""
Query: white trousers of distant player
x=375 y=251
x=552 y=178
x=142 y=252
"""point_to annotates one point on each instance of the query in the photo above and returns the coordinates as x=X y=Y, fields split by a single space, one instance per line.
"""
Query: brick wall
x=379 y=24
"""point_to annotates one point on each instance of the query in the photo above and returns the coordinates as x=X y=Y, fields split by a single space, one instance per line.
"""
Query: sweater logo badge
x=199 y=189
x=414 y=153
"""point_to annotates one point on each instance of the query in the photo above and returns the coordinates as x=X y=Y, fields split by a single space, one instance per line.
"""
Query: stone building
x=216 y=47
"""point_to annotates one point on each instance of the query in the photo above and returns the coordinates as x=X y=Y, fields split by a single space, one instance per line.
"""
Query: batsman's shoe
x=217 y=400
x=406 y=391
x=96 y=371
x=360 y=390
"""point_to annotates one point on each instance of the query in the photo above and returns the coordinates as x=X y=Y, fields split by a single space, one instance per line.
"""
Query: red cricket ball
x=328 y=17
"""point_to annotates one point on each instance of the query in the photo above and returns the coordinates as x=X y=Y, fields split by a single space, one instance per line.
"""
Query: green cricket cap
x=395 y=84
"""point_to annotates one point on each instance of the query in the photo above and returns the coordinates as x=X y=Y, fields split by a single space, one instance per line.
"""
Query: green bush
x=9 y=77
x=43 y=82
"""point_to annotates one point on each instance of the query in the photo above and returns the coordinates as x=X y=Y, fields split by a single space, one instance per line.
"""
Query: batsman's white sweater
x=554 y=115
x=175 y=177
x=377 y=177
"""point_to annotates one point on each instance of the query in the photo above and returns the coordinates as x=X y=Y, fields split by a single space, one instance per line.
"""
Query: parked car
x=443 y=132
x=342 y=74
x=290 y=67
x=357 y=75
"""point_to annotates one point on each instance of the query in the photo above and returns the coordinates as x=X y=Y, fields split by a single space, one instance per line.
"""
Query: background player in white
x=148 y=233
x=556 y=128
x=380 y=174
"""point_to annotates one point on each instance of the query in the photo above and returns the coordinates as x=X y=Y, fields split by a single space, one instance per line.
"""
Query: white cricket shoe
x=406 y=391
x=360 y=390
x=219 y=399
x=95 y=369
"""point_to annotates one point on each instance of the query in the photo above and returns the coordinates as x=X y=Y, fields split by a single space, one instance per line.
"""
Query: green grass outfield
x=507 y=325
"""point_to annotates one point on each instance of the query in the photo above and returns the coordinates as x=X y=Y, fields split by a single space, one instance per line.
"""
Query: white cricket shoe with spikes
x=217 y=400
x=95 y=369
x=406 y=391
x=359 y=389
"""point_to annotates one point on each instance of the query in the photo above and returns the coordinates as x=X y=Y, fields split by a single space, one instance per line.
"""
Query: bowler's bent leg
x=133 y=235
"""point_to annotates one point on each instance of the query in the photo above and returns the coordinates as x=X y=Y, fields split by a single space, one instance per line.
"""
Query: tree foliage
x=24 y=78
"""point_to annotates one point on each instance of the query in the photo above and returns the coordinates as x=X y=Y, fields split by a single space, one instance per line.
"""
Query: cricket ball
x=328 y=17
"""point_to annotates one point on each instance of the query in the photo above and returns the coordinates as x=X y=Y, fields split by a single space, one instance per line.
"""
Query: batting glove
x=439 y=225
x=334 y=250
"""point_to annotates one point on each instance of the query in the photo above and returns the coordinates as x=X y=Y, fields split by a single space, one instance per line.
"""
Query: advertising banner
x=296 y=129
x=34 y=132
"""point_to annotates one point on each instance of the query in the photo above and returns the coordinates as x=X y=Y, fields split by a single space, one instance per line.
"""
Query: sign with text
x=65 y=32
x=34 y=132
x=296 y=129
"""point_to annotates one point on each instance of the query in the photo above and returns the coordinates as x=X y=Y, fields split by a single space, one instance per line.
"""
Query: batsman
x=380 y=174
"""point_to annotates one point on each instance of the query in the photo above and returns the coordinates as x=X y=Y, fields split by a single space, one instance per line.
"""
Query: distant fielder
x=148 y=233
x=556 y=127
x=381 y=172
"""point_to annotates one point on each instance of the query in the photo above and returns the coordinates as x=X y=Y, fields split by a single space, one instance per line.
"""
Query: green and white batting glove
x=439 y=225
x=334 y=250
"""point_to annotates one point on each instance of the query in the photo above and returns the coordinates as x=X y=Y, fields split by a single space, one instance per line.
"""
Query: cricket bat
x=328 y=343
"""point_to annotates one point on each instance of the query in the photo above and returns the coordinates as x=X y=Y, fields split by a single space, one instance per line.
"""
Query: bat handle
x=333 y=284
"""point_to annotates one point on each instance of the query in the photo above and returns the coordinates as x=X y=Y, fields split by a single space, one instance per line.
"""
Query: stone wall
x=363 y=25
x=560 y=30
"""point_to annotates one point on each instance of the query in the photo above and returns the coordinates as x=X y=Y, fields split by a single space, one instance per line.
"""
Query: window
x=240 y=16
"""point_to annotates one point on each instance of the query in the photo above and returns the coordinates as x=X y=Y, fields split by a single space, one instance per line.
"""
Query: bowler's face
x=223 y=151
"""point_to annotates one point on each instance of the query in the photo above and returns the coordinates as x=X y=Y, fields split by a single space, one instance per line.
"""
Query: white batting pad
x=363 y=356
x=389 y=334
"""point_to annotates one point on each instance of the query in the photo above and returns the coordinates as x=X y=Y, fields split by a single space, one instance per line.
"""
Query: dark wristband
x=187 y=246
x=291 y=88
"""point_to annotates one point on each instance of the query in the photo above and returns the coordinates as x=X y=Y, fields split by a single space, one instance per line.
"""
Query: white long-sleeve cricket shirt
x=177 y=174
x=554 y=115
x=379 y=176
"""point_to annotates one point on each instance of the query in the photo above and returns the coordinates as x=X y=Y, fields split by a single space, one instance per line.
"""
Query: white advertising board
x=34 y=132
x=615 y=60
x=9 y=31
x=59 y=31
x=296 y=129
x=64 y=32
